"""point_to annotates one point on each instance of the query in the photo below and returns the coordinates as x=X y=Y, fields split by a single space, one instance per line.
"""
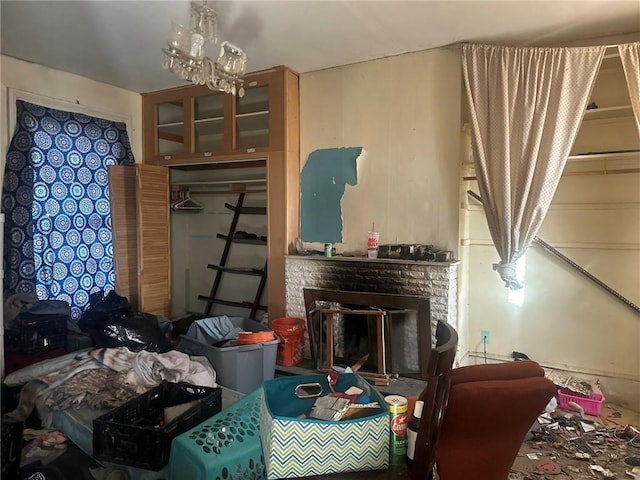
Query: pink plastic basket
x=592 y=405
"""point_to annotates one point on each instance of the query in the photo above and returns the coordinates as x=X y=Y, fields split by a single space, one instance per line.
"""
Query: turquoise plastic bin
x=225 y=446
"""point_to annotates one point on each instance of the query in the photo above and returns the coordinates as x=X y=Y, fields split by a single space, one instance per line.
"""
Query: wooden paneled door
x=139 y=198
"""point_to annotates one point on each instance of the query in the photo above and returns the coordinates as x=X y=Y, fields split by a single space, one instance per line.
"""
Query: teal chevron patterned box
x=298 y=447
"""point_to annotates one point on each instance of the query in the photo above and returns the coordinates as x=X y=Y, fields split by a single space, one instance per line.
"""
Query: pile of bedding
x=101 y=378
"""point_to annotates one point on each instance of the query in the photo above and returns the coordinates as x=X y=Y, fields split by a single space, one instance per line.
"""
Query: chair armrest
x=496 y=371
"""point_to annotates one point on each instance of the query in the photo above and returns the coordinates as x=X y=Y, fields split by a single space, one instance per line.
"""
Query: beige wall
x=405 y=113
x=97 y=97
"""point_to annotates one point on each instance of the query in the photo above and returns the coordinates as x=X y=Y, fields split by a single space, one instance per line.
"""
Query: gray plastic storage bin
x=242 y=368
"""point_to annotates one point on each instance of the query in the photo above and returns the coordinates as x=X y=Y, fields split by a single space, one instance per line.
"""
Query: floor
x=566 y=451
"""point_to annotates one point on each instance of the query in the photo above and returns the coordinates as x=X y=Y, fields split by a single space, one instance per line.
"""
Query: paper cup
x=373 y=239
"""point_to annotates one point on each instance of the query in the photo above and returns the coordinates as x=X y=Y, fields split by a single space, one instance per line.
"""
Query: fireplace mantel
x=436 y=280
x=339 y=258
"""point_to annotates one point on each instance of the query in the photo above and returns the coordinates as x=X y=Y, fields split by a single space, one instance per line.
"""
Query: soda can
x=398 y=443
x=328 y=250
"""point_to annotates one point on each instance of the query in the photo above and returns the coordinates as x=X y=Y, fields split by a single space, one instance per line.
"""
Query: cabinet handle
x=207 y=154
x=253 y=84
x=167 y=157
x=251 y=150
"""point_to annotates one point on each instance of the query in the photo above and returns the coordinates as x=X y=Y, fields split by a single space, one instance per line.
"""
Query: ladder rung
x=224 y=302
x=230 y=303
x=247 y=210
x=239 y=270
x=250 y=241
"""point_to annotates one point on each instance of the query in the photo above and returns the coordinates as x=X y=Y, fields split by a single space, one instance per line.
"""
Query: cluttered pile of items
x=335 y=405
x=285 y=424
x=578 y=437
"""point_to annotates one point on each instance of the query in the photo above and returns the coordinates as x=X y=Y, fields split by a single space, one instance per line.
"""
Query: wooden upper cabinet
x=193 y=122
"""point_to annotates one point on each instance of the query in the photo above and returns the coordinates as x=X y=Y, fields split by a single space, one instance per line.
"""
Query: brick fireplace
x=436 y=280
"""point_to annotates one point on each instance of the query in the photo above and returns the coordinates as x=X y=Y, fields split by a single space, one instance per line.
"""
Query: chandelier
x=185 y=57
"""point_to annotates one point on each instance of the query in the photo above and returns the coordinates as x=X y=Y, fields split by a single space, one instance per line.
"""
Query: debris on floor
x=568 y=445
x=565 y=380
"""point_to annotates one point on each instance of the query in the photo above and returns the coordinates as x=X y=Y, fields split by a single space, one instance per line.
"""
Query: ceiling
x=119 y=42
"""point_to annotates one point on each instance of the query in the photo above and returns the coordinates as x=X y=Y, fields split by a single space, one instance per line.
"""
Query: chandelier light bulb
x=197 y=42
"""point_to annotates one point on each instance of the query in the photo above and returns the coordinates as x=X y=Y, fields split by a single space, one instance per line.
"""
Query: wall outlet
x=484 y=336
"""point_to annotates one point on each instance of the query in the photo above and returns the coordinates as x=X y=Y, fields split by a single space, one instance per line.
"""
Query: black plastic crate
x=11 y=448
x=37 y=334
x=135 y=433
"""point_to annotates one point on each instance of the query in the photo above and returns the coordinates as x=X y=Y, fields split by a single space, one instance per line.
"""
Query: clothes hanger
x=187 y=203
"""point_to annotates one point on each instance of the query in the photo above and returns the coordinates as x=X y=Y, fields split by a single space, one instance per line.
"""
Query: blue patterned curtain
x=55 y=197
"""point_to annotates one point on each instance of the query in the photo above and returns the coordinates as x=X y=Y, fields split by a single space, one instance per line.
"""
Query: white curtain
x=630 y=56
x=526 y=105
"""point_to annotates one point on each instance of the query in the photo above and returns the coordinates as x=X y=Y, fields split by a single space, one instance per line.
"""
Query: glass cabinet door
x=209 y=123
x=170 y=128
x=252 y=119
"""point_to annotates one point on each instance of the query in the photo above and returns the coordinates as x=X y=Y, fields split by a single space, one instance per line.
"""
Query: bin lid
x=248 y=338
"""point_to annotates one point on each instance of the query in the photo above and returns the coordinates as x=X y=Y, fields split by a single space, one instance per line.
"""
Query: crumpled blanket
x=151 y=368
x=108 y=377
x=213 y=329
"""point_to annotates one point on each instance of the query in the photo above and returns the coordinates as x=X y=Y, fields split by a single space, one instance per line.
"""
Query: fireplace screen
x=393 y=330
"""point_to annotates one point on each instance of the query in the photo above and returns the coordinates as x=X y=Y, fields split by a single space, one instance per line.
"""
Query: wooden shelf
x=608 y=112
x=604 y=155
x=170 y=124
x=207 y=120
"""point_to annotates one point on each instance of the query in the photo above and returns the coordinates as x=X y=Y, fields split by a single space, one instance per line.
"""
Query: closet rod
x=206 y=183
x=225 y=192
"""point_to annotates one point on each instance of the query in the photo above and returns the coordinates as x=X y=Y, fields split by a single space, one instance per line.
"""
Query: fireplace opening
x=355 y=337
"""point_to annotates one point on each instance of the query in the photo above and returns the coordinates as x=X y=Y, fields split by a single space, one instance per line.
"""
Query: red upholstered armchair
x=489 y=412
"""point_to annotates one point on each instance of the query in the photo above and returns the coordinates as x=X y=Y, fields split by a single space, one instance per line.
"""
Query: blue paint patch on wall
x=323 y=182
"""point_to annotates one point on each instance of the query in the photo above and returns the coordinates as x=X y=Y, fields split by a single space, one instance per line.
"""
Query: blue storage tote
x=242 y=368
x=225 y=446
x=299 y=447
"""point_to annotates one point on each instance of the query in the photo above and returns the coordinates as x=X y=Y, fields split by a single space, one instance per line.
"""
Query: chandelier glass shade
x=185 y=56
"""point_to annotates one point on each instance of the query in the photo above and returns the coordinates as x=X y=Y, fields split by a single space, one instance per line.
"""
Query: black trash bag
x=111 y=322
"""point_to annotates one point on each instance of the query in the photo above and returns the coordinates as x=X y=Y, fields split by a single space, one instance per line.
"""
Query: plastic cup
x=373 y=240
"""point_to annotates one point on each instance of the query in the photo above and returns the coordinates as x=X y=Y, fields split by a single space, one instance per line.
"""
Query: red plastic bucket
x=290 y=331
